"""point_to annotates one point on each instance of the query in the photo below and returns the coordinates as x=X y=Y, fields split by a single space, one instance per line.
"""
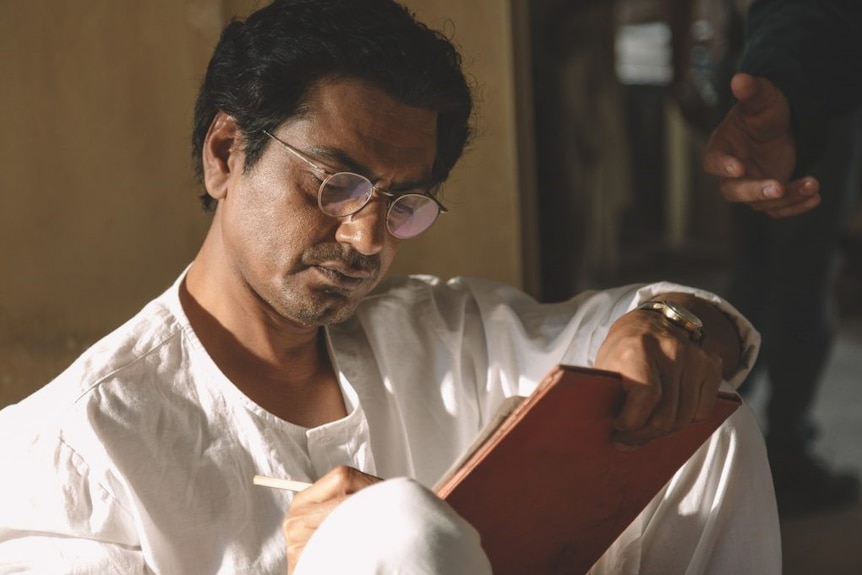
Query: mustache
x=324 y=253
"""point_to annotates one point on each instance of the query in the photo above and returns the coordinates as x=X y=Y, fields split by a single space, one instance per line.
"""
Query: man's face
x=307 y=267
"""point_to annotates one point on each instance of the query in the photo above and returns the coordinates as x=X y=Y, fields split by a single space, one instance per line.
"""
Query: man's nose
x=365 y=230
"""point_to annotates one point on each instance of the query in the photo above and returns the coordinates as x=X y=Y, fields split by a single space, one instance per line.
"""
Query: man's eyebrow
x=337 y=160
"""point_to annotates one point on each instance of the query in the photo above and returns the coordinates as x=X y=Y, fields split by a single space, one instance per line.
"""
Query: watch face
x=679 y=316
x=684 y=314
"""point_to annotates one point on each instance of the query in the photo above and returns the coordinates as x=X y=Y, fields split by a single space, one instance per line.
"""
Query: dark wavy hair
x=263 y=68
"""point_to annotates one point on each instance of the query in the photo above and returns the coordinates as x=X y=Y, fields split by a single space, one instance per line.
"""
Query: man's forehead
x=351 y=125
x=358 y=99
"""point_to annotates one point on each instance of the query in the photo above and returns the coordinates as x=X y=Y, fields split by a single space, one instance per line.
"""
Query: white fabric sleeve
x=38 y=554
x=55 y=519
x=526 y=337
x=749 y=338
x=716 y=516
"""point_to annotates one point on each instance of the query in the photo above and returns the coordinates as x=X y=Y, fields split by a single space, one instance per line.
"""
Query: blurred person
x=789 y=144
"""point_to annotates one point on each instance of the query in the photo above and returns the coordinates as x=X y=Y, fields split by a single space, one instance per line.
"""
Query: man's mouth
x=342 y=275
x=342 y=268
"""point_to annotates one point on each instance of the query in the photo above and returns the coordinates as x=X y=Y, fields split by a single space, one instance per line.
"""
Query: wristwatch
x=678 y=316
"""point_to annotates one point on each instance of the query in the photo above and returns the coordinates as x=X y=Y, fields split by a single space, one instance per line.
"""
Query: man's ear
x=221 y=154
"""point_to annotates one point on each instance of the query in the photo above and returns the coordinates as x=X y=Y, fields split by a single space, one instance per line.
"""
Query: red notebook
x=547 y=489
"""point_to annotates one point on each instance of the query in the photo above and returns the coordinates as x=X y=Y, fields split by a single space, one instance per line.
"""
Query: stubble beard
x=325 y=307
x=328 y=305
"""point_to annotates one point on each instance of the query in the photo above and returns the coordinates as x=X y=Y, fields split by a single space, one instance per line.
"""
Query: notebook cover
x=546 y=505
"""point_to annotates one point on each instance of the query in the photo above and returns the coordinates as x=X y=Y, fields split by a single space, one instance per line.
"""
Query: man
x=788 y=136
x=322 y=132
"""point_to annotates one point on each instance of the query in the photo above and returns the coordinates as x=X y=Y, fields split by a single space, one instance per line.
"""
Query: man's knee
x=397 y=526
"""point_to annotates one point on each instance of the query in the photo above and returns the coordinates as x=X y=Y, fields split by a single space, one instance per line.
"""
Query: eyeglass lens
x=409 y=215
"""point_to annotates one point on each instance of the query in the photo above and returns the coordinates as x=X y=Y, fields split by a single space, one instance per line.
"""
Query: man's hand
x=669 y=380
x=311 y=506
x=753 y=152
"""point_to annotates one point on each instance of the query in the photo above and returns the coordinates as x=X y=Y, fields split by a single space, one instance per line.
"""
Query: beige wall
x=98 y=210
x=482 y=234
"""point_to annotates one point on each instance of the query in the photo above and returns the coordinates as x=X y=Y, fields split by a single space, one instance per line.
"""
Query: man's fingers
x=791 y=205
x=339 y=482
x=746 y=191
x=297 y=528
x=689 y=405
x=770 y=197
x=720 y=162
x=804 y=187
x=794 y=209
x=303 y=525
x=312 y=506
x=755 y=95
x=743 y=86
x=706 y=402
x=631 y=439
x=641 y=400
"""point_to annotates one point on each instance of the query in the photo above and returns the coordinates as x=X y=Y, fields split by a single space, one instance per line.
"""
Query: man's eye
x=402 y=209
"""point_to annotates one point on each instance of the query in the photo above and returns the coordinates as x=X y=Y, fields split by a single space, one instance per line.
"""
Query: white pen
x=286 y=484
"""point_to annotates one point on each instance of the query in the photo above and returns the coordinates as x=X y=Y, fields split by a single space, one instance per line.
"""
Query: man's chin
x=328 y=309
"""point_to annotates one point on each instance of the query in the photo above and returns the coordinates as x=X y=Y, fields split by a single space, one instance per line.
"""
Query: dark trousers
x=783 y=281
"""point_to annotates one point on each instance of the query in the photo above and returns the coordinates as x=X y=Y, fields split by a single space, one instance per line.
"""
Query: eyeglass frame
x=328 y=175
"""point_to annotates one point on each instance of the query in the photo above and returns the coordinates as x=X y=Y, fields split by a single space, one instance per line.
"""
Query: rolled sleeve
x=749 y=338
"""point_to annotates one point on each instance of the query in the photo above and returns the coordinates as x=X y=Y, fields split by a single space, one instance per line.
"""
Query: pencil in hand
x=278 y=483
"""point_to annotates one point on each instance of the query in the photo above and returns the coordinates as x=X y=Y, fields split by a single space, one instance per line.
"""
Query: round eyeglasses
x=342 y=194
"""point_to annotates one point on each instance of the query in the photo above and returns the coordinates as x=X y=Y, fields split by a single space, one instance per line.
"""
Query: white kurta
x=139 y=457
